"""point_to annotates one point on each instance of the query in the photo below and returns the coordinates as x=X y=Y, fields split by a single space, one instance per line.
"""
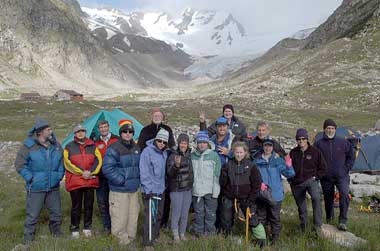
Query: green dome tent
x=113 y=119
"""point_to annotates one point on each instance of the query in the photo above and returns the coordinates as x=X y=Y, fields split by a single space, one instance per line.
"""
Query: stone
x=342 y=238
x=363 y=190
x=359 y=178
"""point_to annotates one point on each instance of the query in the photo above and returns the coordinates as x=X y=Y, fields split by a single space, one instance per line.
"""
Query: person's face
x=202 y=146
x=183 y=145
x=330 y=131
x=157 y=118
x=222 y=129
x=46 y=133
x=268 y=148
x=104 y=129
x=302 y=142
x=228 y=113
x=262 y=132
x=81 y=134
x=161 y=144
x=127 y=135
x=239 y=153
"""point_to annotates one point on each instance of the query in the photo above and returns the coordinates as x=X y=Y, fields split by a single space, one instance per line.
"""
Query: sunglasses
x=128 y=131
x=301 y=139
x=80 y=131
x=161 y=141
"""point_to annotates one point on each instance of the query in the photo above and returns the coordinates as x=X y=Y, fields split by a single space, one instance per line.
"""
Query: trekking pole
x=150 y=219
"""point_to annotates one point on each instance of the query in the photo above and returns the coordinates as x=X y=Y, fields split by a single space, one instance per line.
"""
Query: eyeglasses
x=80 y=131
x=301 y=139
x=161 y=141
x=128 y=131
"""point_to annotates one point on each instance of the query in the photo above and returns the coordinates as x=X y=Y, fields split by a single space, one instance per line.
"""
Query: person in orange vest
x=83 y=162
x=105 y=139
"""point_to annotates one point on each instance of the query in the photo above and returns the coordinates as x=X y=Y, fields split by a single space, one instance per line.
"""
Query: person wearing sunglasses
x=152 y=174
x=121 y=168
x=83 y=162
x=310 y=166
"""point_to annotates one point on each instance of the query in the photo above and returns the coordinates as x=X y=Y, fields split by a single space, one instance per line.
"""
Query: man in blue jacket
x=339 y=156
x=39 y=162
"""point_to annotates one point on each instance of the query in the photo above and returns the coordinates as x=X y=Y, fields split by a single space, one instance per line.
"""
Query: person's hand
x=288 y=161
x=263 y=187
x=177 y=160
x=147 y=196
x=202 y=116
x=86 y=175
x=223 y=150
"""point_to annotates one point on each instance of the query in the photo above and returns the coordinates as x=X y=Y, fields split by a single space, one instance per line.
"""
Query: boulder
x=363 y=190
x=346 y=239
x=359 y=178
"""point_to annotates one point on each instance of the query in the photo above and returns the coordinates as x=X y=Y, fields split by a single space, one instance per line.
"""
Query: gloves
x=147 y=196
x=288 y=161
x=263 y=187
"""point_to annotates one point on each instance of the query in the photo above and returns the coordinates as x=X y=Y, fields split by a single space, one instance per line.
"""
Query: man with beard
x=339 y=156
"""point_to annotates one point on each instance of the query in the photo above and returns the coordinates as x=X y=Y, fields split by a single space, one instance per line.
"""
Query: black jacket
x=308 y=164
x=241 y=181
x=255 y=146
x=182 y=178
x=237 y=127
x=150 y=132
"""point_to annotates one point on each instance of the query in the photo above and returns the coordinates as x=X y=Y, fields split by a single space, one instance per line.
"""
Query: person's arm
x=255 y=179
x=61 y=168
x=110 y=165
x=145 y=175
x=350 y=156
x=322 y=166
x=69 y=166
x=142 y=139
x=223 y=180
x=171 y=169
x=21 y=164
x=217 y=169
x=95 y=169
x=279 y=150
x=288 y=172
x=171 y=142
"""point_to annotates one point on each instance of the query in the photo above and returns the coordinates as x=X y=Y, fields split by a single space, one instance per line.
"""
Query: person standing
x=152 y=174
x=121 y=168
x=106 y=138
x=179 y=172
x=39 y=162
x=83 y=162
x=310 y=166
x=339 y=156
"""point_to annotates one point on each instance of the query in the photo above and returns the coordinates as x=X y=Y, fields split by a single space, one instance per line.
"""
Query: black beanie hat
x=329 y=122
x=183 y=137
x=228 y=106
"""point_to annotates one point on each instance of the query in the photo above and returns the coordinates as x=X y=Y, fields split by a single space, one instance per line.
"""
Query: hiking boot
x=329 y=220
x=318 y=231
x=176 y=237
x=342 y=227
x=75 y=235
x=182 y=237
x=87 y=232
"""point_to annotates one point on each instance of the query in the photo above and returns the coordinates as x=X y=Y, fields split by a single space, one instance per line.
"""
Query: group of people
x=226 y=173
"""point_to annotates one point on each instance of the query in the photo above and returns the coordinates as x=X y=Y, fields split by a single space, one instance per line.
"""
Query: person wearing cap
x=255 y=145
x=179 y=172
x=234 y=123
x=39 y=162
x=206 y=166
x=150 y=131
x=121 y=168
x=310 y=166
x=152 y=174
x=102 y=142
x=83 y=162
x=271 y=167
x=339 y=156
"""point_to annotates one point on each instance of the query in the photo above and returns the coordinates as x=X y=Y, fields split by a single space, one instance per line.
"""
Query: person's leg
x=299 y=194
x=344 y=199
x=211 y=205
x=274 y=213
x=315 y=195
x=166 y=210
x=34 y=204
x=146 y=241
x=53 y=204
x=185 y=212
x=227 y=215
x=199 y=213
x=88 y=207
x=119 y=211
x=176 y=201
x=159 y=215
x=102 y=198
x=261 y=212
x=133 y=214
x=76 y=208
x=328 y=196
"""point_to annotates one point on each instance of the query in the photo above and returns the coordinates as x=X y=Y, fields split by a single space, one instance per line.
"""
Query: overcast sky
x=257 y=16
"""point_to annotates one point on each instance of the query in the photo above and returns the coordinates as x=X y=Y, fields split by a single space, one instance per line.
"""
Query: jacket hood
x=32 y=138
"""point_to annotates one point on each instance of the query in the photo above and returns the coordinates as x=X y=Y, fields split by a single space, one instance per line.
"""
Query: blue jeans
x=34 y=204
x=102 y=197
x=205 y=214
x=180 y=210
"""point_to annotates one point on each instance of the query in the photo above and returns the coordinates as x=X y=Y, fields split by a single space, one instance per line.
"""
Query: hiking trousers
x=205 y=214
x=180 y=210
x=102 y=198
x=268 y=214
x=78 y=197
x=156 y=224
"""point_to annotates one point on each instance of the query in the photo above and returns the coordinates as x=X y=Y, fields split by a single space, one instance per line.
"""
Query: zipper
x=302 y=160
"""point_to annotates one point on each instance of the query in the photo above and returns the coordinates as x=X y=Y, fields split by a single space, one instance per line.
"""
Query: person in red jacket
x=83 y=162
x=105 y=139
